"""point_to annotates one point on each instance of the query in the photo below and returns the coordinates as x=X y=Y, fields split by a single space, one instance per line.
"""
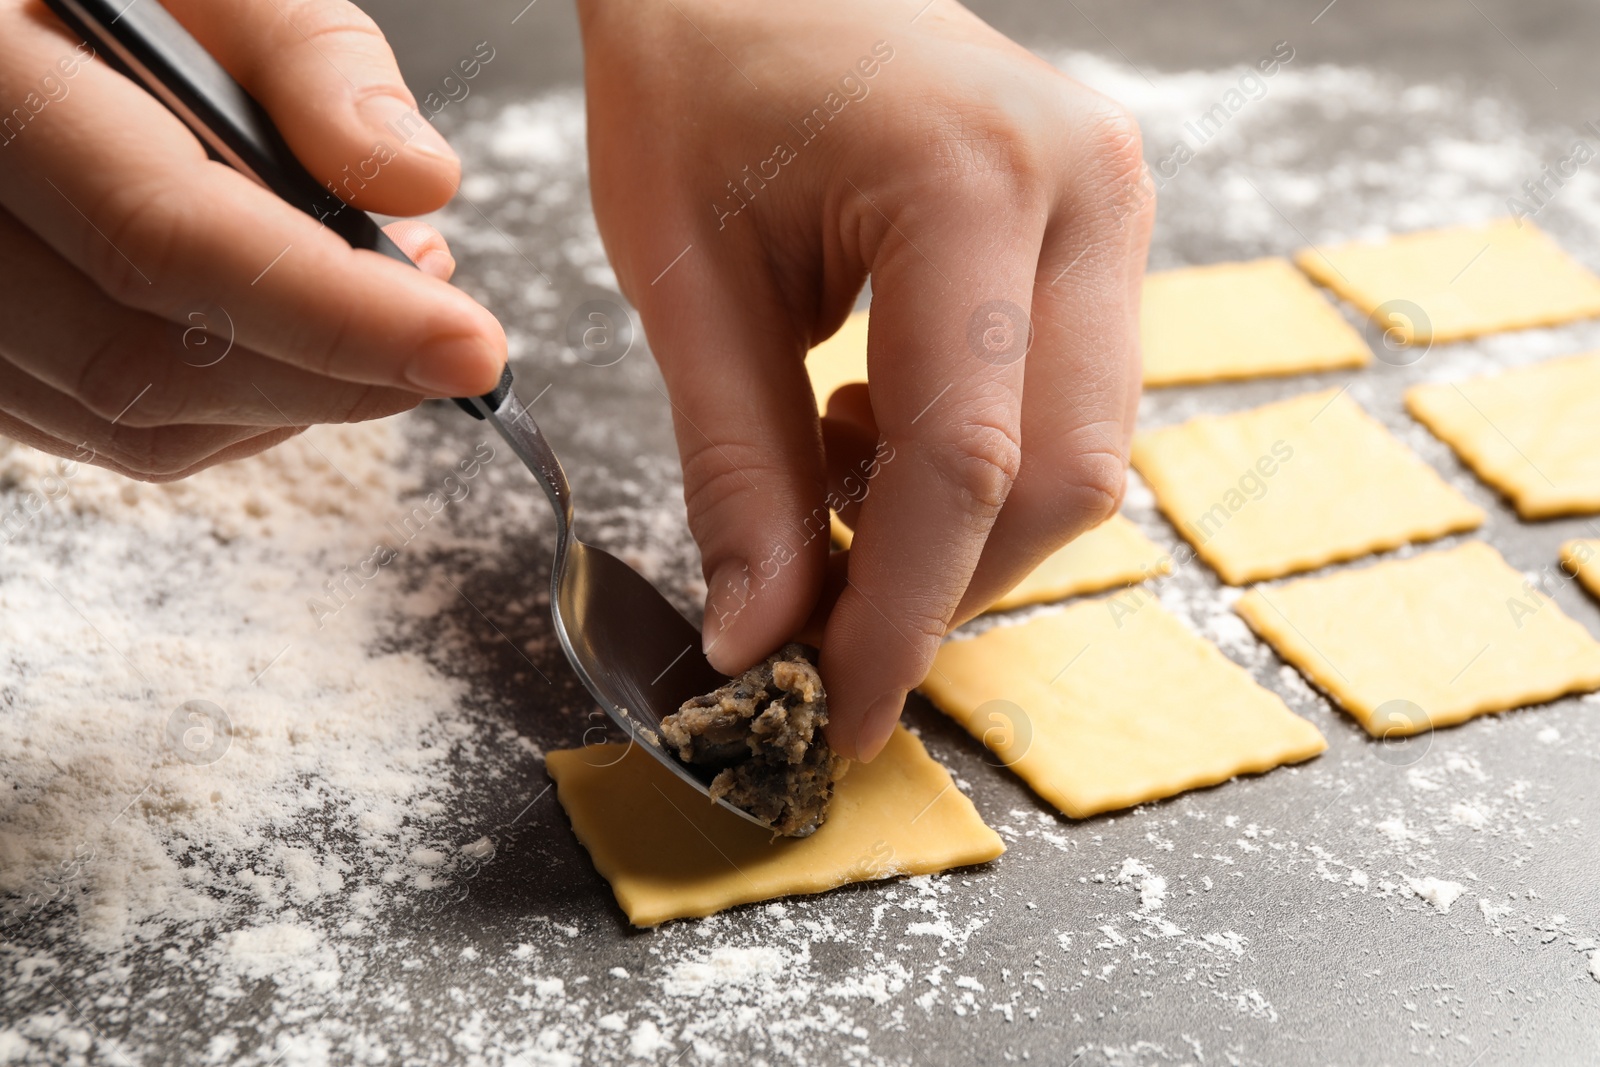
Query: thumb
x=747 y=432
x=325 y=73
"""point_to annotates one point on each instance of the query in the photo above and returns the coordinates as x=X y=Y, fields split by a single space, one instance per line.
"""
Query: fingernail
x=401 y=124
x=463 y=366
x=726 y=595
x=881 y=719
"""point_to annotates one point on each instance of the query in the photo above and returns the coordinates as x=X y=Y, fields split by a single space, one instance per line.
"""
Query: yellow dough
x=1295 y=485
x=1466 y=281
x=1233 y=320
x=1112 y=554
x=841 y=534
x=1582 y=558
x=671 y=854
x=1241 y=320
x=1428 y=641
x=839 y=360
x=1533 y=433
x=1113 y=703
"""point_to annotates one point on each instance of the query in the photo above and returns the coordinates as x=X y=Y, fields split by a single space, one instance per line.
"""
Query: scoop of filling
x=763 y=732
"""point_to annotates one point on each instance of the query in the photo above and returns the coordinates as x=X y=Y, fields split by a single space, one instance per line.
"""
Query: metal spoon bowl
x=638 y=657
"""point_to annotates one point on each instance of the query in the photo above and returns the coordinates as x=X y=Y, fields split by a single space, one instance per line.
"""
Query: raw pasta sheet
x=1294 y=485
x=1241 y=320
x=839 y=360
x=1199 y=324
x=669 y=853
x=1112 y=703
x=1112 y=554
x=1445 y=285
x=1533 y=433
x=1405 y=645
x=1582 y=560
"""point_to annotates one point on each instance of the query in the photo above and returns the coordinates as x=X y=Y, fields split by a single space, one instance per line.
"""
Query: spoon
x=637 y=655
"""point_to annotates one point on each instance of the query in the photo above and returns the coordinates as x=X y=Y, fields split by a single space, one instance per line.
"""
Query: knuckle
x=983 y=460
x=104 y=383
x=163 y=454
x=1114 y=141
x=718 y=475
x=1090 y=488
x=322 y=352
x=315 y=21
x=985 y=151
x=912 y=628
x=168 y=403
x=129 y=263
x=1115 y=162
x=928 y=622
x=374 y=402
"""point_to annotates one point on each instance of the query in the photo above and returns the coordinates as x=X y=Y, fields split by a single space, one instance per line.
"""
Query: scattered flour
x=1435 y=891
x=1396 y=830
x=1152 y=887
x=724 y=967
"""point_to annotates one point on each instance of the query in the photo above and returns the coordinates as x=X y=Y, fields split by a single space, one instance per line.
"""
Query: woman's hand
x=130 y=263
x=752 y=165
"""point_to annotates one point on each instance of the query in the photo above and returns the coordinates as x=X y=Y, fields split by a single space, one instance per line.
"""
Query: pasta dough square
x=1434 y=640
x=1112 y=554
x=1464 y=281
x=839 y=360
x=1582 y=560
x=1231 y=320
x=671 y=854
x=1112 y=703
x=1533 y=433
x=1241 y=320
x=1294 y=485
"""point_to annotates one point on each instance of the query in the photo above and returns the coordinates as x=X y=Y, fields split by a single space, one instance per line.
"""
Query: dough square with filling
x=1112 y=703
x=669 y=853
x=1582 y=560
x=1434 y=640
x=1114 y=553
x=1241 y=320
x=1533 y=433
x=1465 y=281
x=1294 y=485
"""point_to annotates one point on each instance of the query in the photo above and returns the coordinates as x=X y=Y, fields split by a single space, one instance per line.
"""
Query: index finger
x=945 y=369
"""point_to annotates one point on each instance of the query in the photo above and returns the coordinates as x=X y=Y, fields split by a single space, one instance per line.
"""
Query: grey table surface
x=1269 y=947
